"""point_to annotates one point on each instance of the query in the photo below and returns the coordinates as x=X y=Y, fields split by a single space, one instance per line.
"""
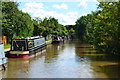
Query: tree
x=81 y=26
x=102 y=28
x=49 y=26
x=15 y=23
x=9 y=10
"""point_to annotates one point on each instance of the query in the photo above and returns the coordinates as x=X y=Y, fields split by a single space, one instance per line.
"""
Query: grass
x=7 y=46
x=48 y=39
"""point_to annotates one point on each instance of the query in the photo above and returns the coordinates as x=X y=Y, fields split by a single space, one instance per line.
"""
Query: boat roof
x=27 y=38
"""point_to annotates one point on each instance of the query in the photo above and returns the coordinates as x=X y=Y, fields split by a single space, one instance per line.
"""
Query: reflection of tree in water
x=101 y=63
x=52 y=52
x=18 y=68
x=96 y=56
x=113 y=71
x=85 y=50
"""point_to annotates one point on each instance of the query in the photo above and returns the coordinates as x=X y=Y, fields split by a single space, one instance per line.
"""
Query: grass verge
x=6 y=46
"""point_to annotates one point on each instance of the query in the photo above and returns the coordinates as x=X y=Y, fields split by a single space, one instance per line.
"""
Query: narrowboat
x=26 y=46
x=3 y=59
x=56 y=39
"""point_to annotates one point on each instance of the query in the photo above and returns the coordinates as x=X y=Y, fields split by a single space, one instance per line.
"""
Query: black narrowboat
x=26 y=46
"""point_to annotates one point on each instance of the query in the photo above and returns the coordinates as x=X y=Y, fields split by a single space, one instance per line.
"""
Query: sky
x=67 y=12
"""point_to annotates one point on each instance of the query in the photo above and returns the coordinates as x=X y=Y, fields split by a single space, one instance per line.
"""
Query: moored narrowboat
x=26 y=46
x=3 y=59
x=56 y=39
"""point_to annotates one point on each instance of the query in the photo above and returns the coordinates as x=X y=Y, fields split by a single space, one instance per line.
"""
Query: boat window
x=19 y=45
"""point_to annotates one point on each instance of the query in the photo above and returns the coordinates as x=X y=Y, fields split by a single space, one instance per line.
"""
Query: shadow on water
x=107 y=64
x=113 y=70
x=101 y=63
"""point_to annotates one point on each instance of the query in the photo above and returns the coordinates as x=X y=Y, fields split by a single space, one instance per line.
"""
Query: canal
x=71 y=59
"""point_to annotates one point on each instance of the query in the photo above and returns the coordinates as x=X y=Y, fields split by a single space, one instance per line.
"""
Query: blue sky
x=66 y=12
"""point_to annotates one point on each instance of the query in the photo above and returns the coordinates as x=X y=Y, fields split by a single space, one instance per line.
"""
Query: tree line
x=101 y=28
x=16 y=23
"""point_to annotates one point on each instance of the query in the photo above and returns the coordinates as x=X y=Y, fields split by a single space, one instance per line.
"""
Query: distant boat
x=26 y=46
x=56 y=39
x=3 y=59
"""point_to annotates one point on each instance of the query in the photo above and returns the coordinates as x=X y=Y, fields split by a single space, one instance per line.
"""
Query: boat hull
x=23 y=54
x=3 y=62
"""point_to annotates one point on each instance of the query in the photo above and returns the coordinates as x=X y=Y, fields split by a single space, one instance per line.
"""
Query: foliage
x=80 y=27
x=71 y=30
x=48 y=26
x=15 y=23
x=102 y=28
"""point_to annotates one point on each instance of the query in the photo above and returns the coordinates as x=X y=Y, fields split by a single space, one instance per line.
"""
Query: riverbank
x=7 y=46
x=49 y=41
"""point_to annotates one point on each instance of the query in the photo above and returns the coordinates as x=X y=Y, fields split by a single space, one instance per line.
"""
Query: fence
x=3 y=39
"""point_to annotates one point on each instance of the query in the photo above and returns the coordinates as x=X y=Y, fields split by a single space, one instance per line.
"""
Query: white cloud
x=83 y=4
x=51 y=0
x=84 y=14
x=34 y=5
x=40 y=11
x=46 y=7
x=62 y=6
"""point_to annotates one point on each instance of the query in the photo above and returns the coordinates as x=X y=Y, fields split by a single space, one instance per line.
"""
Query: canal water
x=71 y=59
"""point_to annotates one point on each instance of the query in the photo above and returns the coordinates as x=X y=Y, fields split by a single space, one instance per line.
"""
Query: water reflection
x=103 y=65
x=65 y=60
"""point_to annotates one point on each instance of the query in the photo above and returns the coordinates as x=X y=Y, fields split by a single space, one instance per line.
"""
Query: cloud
x=65 y=19
x=51 y=0
x=40 y=11
x=34 y=5
x=84 y=14
x=62 y=6
x=83 y=4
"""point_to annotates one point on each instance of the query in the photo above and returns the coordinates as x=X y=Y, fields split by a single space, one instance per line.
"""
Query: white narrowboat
x=3 y=59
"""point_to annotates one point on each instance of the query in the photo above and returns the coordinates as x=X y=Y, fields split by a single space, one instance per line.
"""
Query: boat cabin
x=26 y=46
